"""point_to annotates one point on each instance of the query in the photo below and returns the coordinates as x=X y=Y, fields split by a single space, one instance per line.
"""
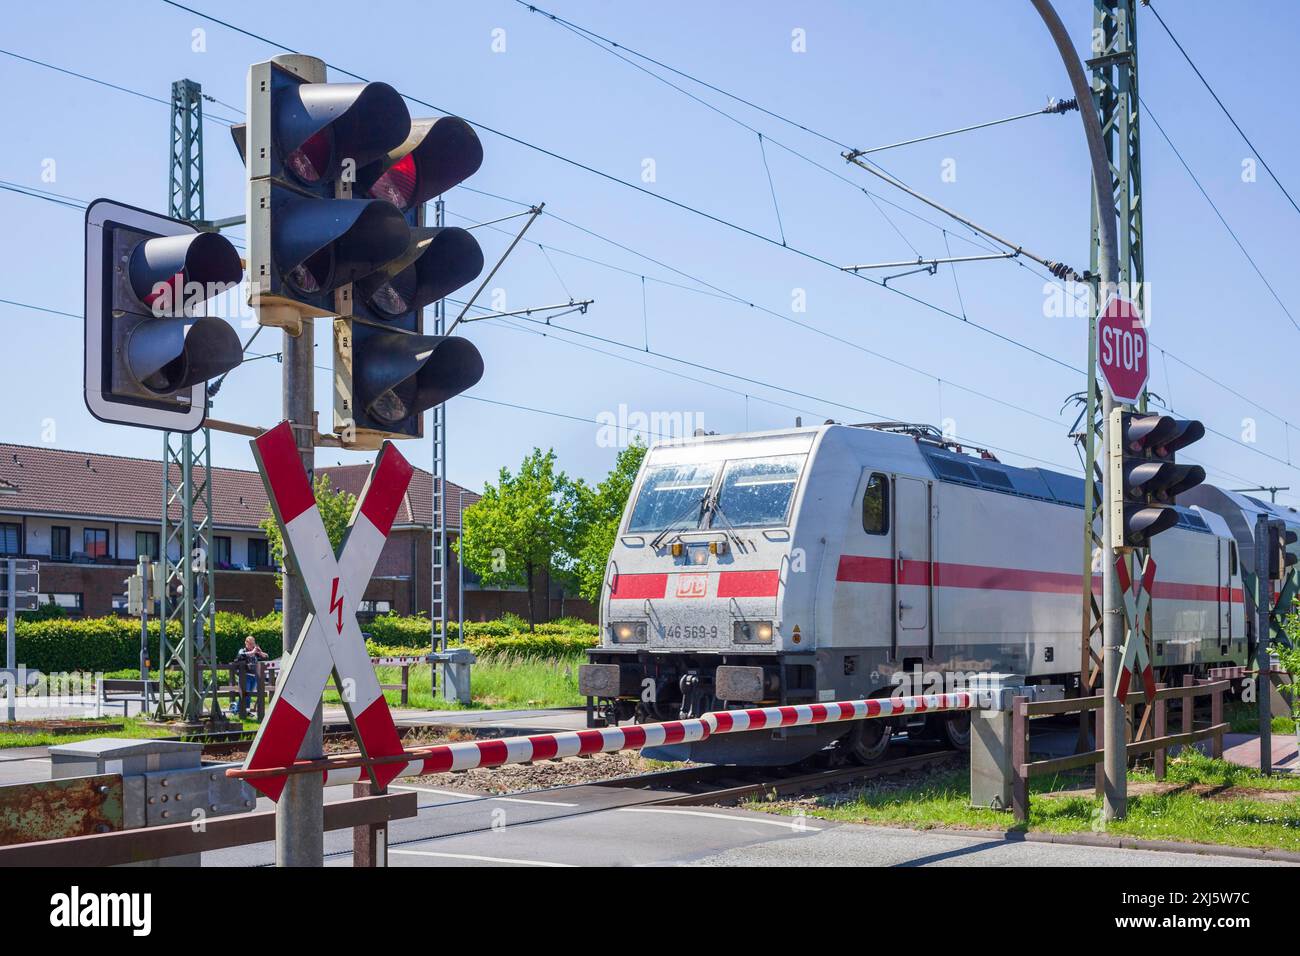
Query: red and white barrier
x=495 y=753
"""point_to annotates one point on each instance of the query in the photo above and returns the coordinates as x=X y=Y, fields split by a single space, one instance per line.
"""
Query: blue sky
x=872 y=73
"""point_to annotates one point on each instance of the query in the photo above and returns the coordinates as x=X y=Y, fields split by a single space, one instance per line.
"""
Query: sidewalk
x=1243 y=750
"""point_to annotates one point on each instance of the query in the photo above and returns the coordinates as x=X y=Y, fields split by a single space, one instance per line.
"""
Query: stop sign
x=1122 y=349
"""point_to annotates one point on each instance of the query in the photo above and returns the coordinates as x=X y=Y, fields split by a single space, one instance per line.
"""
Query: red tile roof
x=50 y=481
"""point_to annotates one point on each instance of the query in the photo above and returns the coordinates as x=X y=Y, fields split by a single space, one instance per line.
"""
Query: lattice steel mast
x=1115 y=96
x=188 y=595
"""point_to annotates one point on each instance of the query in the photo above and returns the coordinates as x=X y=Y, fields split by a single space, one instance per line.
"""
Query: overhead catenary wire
x=1056 y=268
x=595 y=171
x=1226 y=112
x=611 y=178
x=645 y=316
x=738 y=300
x=1019 y=408
x=208 y=115
x=38 y=195
x=1222 y=219
x=1058 y=107
x=858 y=346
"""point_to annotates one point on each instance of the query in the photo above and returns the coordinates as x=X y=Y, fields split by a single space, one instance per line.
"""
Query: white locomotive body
x=841 y=562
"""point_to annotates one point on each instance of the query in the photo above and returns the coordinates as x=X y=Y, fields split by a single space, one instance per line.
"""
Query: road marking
x=543 y=803
x=480 y=859
x=791 y=823
x=440 y=793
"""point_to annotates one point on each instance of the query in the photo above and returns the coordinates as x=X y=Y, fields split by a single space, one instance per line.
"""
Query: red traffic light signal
x=149 y=348
x=338 y=175
x=439 y=153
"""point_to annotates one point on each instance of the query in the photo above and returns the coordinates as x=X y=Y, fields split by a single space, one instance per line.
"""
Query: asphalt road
x=604 y=826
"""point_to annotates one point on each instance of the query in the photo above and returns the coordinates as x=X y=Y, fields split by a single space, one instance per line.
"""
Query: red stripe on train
x=858 y=569
x=637 y=587
x=748 y=584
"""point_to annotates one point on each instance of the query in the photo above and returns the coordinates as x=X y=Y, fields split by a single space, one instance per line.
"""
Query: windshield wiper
x=714 y=506
x=696 y=506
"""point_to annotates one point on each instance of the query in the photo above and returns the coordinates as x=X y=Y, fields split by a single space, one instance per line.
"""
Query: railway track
x=735 y=787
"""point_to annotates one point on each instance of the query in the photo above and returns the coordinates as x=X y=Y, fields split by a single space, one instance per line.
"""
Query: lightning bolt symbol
x=336 y=604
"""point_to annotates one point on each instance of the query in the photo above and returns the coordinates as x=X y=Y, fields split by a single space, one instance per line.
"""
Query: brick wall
x=244 y=592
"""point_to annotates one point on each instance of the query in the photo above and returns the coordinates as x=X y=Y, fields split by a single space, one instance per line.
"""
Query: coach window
x=875 y=505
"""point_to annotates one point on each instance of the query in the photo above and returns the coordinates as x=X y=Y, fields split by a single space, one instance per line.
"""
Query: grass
x=133 y=727
x=1188 y=813
x=496 y=682
x=1244 y=719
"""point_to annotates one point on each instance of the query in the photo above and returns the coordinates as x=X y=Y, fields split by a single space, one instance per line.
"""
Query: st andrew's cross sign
x=331 y=639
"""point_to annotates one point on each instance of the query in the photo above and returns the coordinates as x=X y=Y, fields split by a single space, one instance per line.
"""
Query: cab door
x=911 y=557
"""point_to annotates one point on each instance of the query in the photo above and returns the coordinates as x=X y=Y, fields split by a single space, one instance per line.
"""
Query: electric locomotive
x=847 y=561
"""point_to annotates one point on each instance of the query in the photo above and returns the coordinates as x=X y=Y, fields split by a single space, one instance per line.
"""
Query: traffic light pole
x=300 y=811
x=299 y=818
x=1262 y=598
x=1114 y=729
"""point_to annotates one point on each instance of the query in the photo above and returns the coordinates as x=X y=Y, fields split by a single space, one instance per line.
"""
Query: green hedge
x=113 y=643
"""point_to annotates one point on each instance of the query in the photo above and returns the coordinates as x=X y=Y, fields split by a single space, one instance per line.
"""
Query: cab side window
x=875 y=505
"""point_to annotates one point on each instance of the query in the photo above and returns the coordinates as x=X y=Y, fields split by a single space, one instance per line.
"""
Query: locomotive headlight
x=753 y=632
x=628 y=632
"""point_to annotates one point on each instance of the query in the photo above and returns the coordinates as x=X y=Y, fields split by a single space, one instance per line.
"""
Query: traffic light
x=149 y=348
x=338 y=175
x=1145 y=479
x=1281 y=557
x=308 y=238
x=387 y=371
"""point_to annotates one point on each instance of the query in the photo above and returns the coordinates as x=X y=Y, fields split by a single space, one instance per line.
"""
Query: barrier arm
x=470 y=755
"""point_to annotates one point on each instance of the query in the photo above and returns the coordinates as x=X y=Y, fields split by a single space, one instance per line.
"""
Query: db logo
x=692 y=585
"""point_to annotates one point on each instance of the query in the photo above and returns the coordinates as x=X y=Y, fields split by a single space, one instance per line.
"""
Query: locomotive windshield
x=757 y=491
x=750 y=492
x=672 y=496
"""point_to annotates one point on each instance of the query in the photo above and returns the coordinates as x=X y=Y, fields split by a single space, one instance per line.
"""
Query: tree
x=521 y=526
x=336 y=509
x=598 y=511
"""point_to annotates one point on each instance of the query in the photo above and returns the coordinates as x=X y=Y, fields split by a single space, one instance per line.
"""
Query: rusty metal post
x=1020 y=757
x=370 y=840
x=1216 y=718
x=261 y=692
x=239 y=673
x=1161 y=755
x=1099 y=768
x=406 y=684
